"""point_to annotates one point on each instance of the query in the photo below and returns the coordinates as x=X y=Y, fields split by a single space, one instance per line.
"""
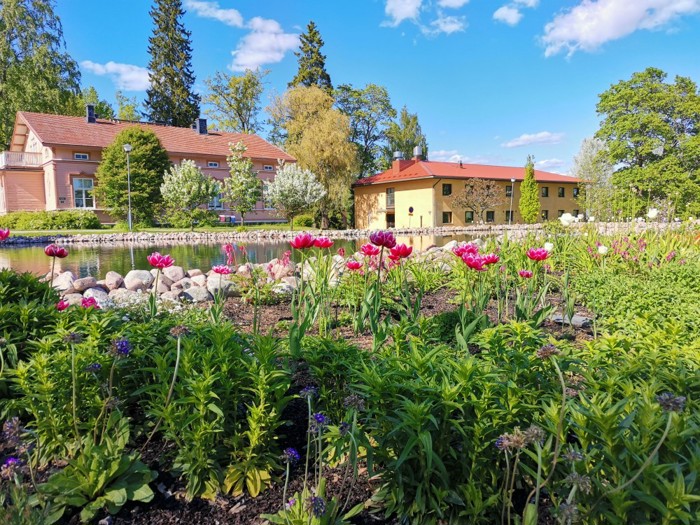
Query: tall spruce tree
x=170 y=98
x=36 y=71
x=312 y=63
x=529 y=194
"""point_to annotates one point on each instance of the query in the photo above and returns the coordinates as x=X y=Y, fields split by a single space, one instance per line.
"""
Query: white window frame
x=84 y=193
x=212 y=164
x=81 y=156
x=266 y=203
x=268 y=167
x=217 y=203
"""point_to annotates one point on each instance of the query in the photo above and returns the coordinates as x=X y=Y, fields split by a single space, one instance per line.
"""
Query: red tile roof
x=413 y=170
x=60 y=130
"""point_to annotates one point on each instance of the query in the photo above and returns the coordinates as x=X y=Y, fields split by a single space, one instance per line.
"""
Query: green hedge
x=51 y=220
x=304 y=221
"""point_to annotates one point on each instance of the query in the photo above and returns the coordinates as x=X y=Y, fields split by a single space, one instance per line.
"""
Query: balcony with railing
x=20 y=159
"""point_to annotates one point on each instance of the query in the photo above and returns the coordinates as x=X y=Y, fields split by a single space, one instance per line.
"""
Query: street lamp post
x=127 y=149
x=512 y=191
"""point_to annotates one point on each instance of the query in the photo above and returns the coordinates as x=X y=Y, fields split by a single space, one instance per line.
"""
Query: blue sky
x=491 y=81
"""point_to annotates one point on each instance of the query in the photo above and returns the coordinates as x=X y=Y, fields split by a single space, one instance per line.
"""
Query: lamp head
x=127 y=147
x=512 y=180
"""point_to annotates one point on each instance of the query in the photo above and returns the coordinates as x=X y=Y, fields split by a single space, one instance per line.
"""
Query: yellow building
x=418 y=194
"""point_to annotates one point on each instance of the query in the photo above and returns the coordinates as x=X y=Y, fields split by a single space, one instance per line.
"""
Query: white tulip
x=580 y=216
x=602 y=250
x=548 y=246
x=566 y=219
x=653 y=213
x=591 y=219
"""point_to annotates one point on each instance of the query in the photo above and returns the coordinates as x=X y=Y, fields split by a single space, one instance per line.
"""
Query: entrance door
x=390 y=220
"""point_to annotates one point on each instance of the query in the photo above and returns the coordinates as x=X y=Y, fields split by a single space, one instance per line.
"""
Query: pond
x=97 y=260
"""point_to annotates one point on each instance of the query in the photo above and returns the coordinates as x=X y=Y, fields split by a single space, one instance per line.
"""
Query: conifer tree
x=529 y=194
x=170 y=98
x=312 y=63
x=403 y=136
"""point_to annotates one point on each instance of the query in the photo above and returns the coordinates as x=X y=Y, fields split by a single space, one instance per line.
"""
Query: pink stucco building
x=52 y=161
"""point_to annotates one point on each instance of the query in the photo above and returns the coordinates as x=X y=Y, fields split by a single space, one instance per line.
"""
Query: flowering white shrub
x=294 y=190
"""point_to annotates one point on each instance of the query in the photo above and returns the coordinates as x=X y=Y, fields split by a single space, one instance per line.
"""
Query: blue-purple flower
x=309 y=392
x=9 y=467
x=290 y=456
x=671 y=403
x=93 y=367
x=121 y=347
x=317 y=506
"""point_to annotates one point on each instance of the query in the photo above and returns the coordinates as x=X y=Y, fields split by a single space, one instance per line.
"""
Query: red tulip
x=537 y=254
x=53 y=250
x=525 y=274
x=369 y=250
x=400 y=251
x=383 y=238
x=89 y=302
x=341 y=252
x=221 y=269
x=4 y=234
x=475 y=262
x=322 y=242
x=302 y=241
x=491 y=258
x=62 y=305
x=353 y=265
x=466 y=248
x=160 y=261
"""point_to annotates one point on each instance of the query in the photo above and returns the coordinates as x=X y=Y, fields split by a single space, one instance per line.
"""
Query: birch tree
x=243 y=189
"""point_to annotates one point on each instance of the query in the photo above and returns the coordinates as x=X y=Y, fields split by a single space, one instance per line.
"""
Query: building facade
x=52 y=161
x=419 y=194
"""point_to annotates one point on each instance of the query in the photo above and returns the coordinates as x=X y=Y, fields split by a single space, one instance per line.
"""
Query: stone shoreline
x=271 y=236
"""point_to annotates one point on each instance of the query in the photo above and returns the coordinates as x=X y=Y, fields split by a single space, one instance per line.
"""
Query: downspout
x=435 y=204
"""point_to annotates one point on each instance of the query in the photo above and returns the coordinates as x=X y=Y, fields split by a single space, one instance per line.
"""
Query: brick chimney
x=90 y=113
x=200 y=126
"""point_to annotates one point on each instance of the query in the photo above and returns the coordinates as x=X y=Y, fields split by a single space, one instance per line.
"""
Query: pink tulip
x=53 y=250
x=160 y=261
x=475 y=262
x=4 y=234
x=369 y=250
x=383 y=238
x=62 y=305
x=341 y=252
x=323 y=242
x=353 y=265
x=222 y=269
x=491 y=258
x=302 y=241
x=525 y=274
x=465 y=248
x=89 y=302
x=537 y=254
x=400 y=251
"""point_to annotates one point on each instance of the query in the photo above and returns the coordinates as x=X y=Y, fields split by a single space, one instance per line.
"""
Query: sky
x=492 y=81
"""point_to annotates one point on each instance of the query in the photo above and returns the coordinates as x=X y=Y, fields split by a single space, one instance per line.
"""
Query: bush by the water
x=304 y=221
x=51 y=220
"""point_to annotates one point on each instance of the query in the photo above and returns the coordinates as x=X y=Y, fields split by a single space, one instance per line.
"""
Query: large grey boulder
x=199 y=280
x=194 y=272
x=123 y=296
x=283 y=288
x=276 y=269
x=98 y=294
x=182 y=284
x=216 y=284
x=174 y=273
x=73 y=299
x=173 y=296
x=138 y=280
x=80 y=285
x=196 y=294
x=113 y=280
x=64 y=281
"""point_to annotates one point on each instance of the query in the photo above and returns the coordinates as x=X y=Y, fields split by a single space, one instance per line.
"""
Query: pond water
x=96 y=260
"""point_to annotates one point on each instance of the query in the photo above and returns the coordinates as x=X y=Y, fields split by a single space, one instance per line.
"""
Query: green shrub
x=304 y=221
x=51 y=220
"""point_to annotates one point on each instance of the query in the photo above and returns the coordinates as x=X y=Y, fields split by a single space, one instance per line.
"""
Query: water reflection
x=96 y=261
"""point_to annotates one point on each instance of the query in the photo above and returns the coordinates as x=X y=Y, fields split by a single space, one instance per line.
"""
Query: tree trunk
x=291 y=223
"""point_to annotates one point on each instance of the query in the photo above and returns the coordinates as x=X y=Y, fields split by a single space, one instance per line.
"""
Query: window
x=268 y=167
x=267 y=203
x=81 y=156
x=576 y=192
x=468 y=216
x=560 y=213
x=447 y=189
x=545 y=215
x=447 y=217
x=509 y=191
x=575 y=214
x=82 y=193
x=561 y=192
x=509 y=216
x=217 y=203
x=212 y=164
x=545 y=191
x=490 y=216
x=390 y=197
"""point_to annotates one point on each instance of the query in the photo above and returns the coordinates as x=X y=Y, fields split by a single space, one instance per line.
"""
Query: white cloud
x=447 y=24
x=527 y=139
x=592 y=23
x=508 y=15
x=528 y=3
x=125 y=76
x=453 y=155
x=554 y=165
x=400 y=10
x=230 y=17
x=452 y=4
x=267 y=43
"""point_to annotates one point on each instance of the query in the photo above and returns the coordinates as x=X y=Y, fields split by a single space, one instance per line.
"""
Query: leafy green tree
x=148 y=162
x=529 y=194
x=403 y=136
x=184 y=190
x=243 y=189
x=170 y=98
x=103 y=109
x=650 y=128
x=294 y=191
x=370 y=113
x=36 y=71
x=312 y=63
x=126 y=107
x=591 y=165
x=479 y=195
x=234 y=101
